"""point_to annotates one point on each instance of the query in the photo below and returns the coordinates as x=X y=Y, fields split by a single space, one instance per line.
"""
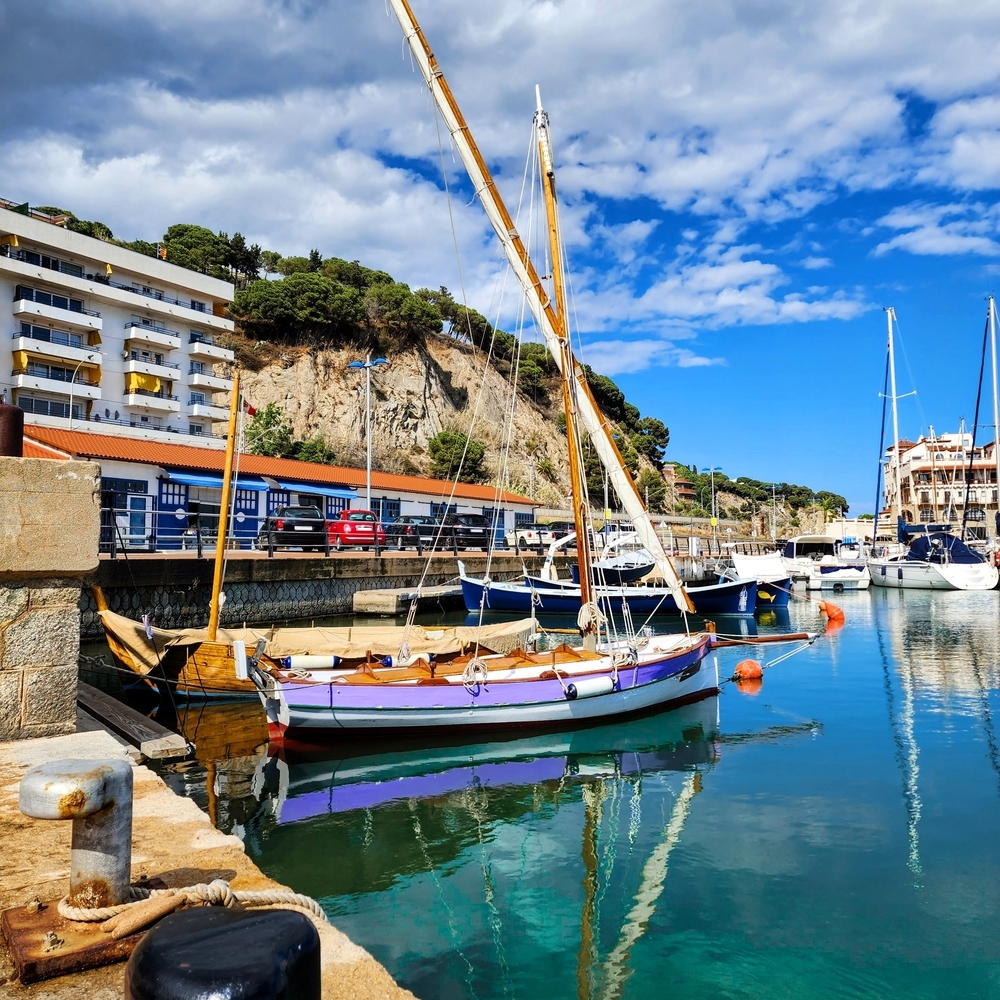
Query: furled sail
x=593 y=420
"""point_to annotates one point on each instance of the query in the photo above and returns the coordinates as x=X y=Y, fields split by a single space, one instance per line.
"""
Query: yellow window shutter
x=20 y=360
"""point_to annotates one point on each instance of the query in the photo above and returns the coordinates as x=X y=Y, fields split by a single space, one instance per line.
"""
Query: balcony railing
x=152 y=329
x=41 y=260
x=136 y=356
x=148 y=293
x=56 y=375
x=53 y=300
x=52 y=337
x=154 y=395
x=200 y=338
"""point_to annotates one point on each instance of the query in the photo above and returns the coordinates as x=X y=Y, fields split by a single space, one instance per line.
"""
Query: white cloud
x=815 y=263
x=943 y=230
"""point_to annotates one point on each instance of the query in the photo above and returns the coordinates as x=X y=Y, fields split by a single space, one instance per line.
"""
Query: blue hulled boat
x=557 y=597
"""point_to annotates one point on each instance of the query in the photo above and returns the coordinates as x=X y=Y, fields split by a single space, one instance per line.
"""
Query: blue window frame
x=520 y=518
x=334 y=505
x=440 y=509
x=278 y=498
x=386 y=510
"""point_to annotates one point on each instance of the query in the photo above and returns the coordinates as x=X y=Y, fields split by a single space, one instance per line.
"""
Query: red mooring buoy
x=748 y=670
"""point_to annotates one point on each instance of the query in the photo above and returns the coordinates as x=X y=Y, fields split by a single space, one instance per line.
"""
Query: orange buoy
x=752 y=687
x=832 y=611
x=748 y=670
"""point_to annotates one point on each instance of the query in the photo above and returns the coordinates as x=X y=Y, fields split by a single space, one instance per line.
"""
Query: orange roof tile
x=35 y=449
x=84 y=444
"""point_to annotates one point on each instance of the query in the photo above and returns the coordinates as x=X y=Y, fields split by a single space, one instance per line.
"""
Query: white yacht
x=822 y=564
x=935 y=561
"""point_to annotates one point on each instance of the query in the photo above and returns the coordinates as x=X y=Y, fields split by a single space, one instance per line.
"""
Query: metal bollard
x=97 y=796
x=11 y=430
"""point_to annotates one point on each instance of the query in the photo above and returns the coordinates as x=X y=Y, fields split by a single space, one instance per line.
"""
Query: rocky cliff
x=438 y=385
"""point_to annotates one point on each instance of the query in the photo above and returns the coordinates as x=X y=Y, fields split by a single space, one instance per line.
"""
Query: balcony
x=148 y=292
x=53 y=350
x=80 y=319
x=135 y=362
x=205 y=347
x=147 y=399
x=156 y=336
x=207 y=379
x=209 y=412
x=82 y=387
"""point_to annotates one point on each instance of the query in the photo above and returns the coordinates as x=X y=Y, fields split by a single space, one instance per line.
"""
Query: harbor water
x=834 y=834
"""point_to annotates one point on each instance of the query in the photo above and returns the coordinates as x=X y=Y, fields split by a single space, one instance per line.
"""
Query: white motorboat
x=935 y=561
x=819 y=561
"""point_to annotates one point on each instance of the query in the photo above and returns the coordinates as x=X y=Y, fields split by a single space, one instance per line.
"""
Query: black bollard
x=215 y=952
x=11 y=431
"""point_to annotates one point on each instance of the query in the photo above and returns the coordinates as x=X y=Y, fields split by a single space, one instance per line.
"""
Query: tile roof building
x=156 y=493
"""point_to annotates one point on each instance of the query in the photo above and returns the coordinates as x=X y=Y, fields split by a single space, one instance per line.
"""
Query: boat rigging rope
x=215 y=893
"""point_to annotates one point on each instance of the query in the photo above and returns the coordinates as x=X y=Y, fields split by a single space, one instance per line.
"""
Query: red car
x=355 y=527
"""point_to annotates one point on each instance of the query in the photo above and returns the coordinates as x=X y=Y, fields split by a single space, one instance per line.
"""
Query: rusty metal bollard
x=97 y=796
x=11 y=430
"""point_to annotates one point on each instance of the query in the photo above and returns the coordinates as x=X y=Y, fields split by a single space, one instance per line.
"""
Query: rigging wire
x=881 y=450
x=975 y=428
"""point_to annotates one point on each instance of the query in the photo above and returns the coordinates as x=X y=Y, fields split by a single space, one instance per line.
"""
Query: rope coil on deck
x=215 y=893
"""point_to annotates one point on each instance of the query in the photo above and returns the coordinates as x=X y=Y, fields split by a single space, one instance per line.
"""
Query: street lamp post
x=715 y=514
x=87 y=360
x=368 y=364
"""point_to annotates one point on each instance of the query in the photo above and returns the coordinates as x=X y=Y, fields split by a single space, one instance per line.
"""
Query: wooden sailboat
x=409 y=679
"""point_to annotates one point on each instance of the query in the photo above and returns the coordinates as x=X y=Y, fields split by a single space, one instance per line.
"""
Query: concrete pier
x=172 y=840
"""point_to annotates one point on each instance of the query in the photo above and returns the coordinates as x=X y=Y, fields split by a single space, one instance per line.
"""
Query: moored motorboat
x=817 y=561
x=774 y=585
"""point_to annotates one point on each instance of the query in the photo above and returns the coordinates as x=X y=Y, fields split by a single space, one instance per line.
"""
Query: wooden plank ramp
x=151 y=739
x=397 y=602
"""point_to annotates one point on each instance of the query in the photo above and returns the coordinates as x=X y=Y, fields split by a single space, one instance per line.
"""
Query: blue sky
x=745 y=185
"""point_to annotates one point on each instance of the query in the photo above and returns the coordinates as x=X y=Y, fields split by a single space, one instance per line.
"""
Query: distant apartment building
x=679 y=491
x=942 y=480
x=103 y=338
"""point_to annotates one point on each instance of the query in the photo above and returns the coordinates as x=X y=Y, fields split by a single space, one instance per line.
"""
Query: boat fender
x=748 y=670
x=831 y=610
x=589 y=687
x=309 y=661
x=405 y=661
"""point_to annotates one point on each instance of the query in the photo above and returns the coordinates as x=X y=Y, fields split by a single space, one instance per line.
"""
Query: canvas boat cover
x=349 y=643
x=763 y=567
x=940 y=547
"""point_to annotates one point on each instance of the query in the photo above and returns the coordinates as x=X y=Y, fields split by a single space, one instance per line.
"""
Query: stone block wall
x=49 y=532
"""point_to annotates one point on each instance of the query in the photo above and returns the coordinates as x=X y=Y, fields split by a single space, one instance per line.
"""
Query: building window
x=197 y=430
x=334 y=505
x=386 y=510
x=440 y=509
x=520 y=518
x=197 y=399
x=48 y=336
x=48 y=407
x=310 y=500
x=47 y=299
x=926 y=514
x=197 y=306
x=278 y=498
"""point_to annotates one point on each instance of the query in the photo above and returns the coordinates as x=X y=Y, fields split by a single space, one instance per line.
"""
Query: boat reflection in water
x=303 y=786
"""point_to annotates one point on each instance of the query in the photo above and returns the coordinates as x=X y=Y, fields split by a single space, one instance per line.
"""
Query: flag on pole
x=250 y=411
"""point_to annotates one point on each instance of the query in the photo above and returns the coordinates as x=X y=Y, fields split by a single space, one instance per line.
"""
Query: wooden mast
x=581 y=519
x=227 y=484
x=593 y=421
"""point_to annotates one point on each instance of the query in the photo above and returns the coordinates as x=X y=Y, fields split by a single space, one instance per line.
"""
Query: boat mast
x=227 y=483
x=581 y=519
x=593 y=421
x=996 y=404
x=890 y=315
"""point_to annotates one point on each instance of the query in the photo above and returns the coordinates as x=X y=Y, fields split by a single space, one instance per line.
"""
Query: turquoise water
x=835 y=835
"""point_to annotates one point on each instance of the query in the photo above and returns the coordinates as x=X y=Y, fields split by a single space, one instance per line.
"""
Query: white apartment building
x=942 y=481
x=106 y=339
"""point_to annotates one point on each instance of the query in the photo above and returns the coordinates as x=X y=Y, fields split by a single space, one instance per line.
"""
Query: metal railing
x=56 y=376
x=153 y=395
x=55 y=305
x=152 y=329
x=54 y=337
x=198 y=338
x=36 y=260
x=136 y=356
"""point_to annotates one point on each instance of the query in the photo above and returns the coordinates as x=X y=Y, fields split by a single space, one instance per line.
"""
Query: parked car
x=408 y=528
x=294 y=526
x=560 y=529
x=469 y=531
x=528 y=536
x=355 y=527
